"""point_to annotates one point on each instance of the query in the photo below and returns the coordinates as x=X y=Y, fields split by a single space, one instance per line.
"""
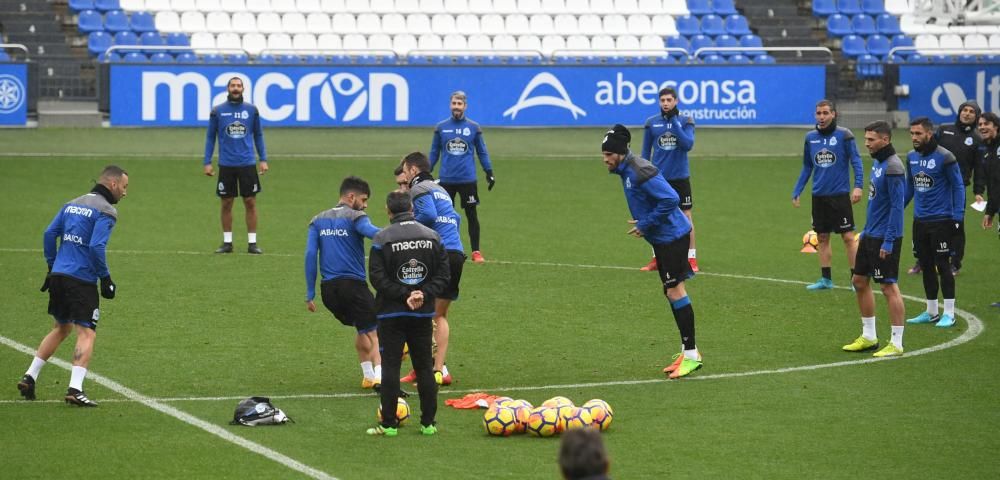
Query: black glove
x=45 y=285
x=108 y=288
x=673 y=112
x=490 y=179
x=958 y=226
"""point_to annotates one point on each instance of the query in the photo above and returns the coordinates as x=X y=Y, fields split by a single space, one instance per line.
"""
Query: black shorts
x=868 y=263
x=467 y=192
x=455 y=262
x=832 y=214
x=242 y=181
x=672 y=261
x=351 y=302
x=933 y=240
x=683 y=188
x=74 y=301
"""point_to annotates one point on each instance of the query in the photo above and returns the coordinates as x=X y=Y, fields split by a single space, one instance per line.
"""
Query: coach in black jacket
x=989 y=127
x=408 y=267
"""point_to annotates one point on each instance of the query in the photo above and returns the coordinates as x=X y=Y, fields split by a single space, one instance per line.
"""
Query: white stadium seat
x=429 y=41
x=898 y=7
x=443 y=24
x=279 y=41
x=455 y=42
x=976 y=40
x=167 y=22
x=369 y=24
x=329 y=41
x=651 y=42
x=343 y=23
x=218 y=22
x=394 y=24
x=577 y=7
x=254 y=43
x=467 y=24
x=244 y=22
x=294 y=22
x=677 y=8
x=402 y=44
x=233 y=6
x=284 y=6
x=627 y=42
x=952 y=41
x=529 y=42
x=554 y=7
x=925 y=41
x=456 y=7
x=577 y=42
x=430 y=7
x=529 y=7
x=504 y=42
x=304 y=41
x=565 y=25
x=665 y=26
x=332 y=6
x=182 y=5
x=193 y=21
x=517 y=24
x=356 y=7
x=590 y=25
x=203 y=42
x=355 y=42
x=157 y=6
x=602 y=7
x=615 y=25
x=602 y=42
x=541 y=25
x=505 y=7
x=552 y=43
x=491 y=24
x=480 y=42
x=651 y=7
x=132 y=5
x=627 y=7
x=228 y=41
x=639 y=24
x=995 y=40
x=259 y=6
x=269 y=22
x=318 y=23
x=382 y=7
x=308 y=6
x=418 y=24
x=481 y=7
x=407 y=7
x=380 y=41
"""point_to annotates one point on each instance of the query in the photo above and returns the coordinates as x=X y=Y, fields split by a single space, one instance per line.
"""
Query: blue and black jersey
x=237 y=126
x=651 y=201
x=455 y=142
x=666 y=143
x=433 y=208
x=887 y=188
x=76 y=241
x=934 y=183
x=826 y=157
x=338 y=236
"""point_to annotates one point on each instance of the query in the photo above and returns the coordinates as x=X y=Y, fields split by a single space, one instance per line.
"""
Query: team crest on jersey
x=236 y=130
x=923 y=182
x=833 y=141
x=457 y=146
x=667 y=141
x=968 y=141
x=877 y=172
x=412 y=272
x=825 y=158
x=466 y=131
x=931 y=164
x=628 y=182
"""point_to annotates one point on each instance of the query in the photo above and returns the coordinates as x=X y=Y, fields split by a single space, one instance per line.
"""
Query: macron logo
x=545 y=78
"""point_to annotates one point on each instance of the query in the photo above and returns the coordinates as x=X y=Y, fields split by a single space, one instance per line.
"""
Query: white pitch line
x=182 y=416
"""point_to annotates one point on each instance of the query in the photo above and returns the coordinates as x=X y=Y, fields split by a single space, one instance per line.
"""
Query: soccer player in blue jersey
x=934 y=183
x=237 y=126
x=337 y=238
x=75 y=245
x=829 y=153
x=962 y=140
x=432 y=206
x=669 y=136
x=880 y=244
x=456 y=141
x=657 y=218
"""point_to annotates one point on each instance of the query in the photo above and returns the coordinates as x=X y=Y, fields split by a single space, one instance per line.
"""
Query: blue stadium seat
x=902 y=41
x=142 y=22
x=98 y=42
x=824 y=8
x=90 y=21
x=990 y=58
x=849 y=7
x=752 y=41
x=699 y=7
x=739 y=59
x=838 y=25
x=107 y=5
x=727 y=41
x=126 y=39
x=238 y=58
x=713 y=25
x=315 y=59
x=178 y=40
x=863 y=25
x=665 y=60
x=688 y=25
x=966 y=59
x=491 y=60
x=116 y=21
x=918 y=58
x=565 y=60
x=678 y=42
x=212 y=58
x=764 y=60
x=418 y=60
x=135 y=57
x=896 y=58
x=879 y=45
x=737 y=25
x=873 y=7
x=888 y=25
x=81 y=5
x=864 y=69
x=853 y=46
x=713 y=59
x=112 y=57
x=700 y=41
x=723 y=7
x=187 y=57
x=615 y=60
x=161 y=57
x=265 y=59
x=289 y=59
x=152 y=39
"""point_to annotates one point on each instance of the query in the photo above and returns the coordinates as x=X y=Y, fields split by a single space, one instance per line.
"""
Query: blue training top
x=885 y=198
x=667 y=142
x=934 y=183
x=826 y=158
x=651 y=201
x=82 y=227
x=454 y=142
x=432 y=207
x=338 y=236
x=237 y=125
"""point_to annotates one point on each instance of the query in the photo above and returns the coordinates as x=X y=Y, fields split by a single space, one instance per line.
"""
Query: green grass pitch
x=559 y=309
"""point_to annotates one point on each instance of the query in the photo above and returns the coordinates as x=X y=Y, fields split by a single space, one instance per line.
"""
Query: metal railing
x=329 y=51
x=17 y=46
x=640 y=52
x=168 y=49
x=951 y=52
x=475 y=52
x=697 y=53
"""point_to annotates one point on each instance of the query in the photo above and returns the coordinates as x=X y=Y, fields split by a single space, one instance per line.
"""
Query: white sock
x=868 y=328
x=76 y=378
x=35 y=368
x=949 y=307
x=227 y=237
x=692 y=354
x=897 y=336
x=932 y=307
x=367 y=371
x=444 y=371
x=378 y=372
x=691 y=253
x=252 y=237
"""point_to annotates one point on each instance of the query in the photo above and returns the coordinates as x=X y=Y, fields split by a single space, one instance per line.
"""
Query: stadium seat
x=206 y=7
x=651 y=43
x=887 y=25
x=344 y=24
x=161 y=57
x=135 y=57
x=307 y=41
x=604 y=43
x=601 y=7
x=243 y=22
x=627 y=7
x=406 y=7
x=764 y=60
x=178 y=40
x=902 y=41
x=260 y=6
x=142 y=22
x=873 y=7
x=879 y=45
x=233 y=6
x=269 y=22
x=976 y=41
x=968 y=58
x=90 y=21
x=577 y=43
x=849 y=7
x=664 y=26
x=316 y=59
x=308 y=6
x=529 y=43
x=923 y=42
x=918 y=58
x=615 y=25
x=752 y=41
x=418 y=24
x=382 y=7
x=254 y=43
x=429 y=41
x=565 y=25
x=737 y=25
x=467 y=24
x=167 y=22
x=4 y=57
x=590 y=24
x=679 y=42
x=367 y=24
x=212 y=58
x=627 y=43
x=112 y=57
x=106 y=5
x=688 y=25
x=187 y=57
x=552 y=7
x=552 y=43
x=700 y=41
x=152 y=39
x=676 y=8
x=838 y=25
x=318 y=23
x=279 y=42
x=504 y=43
x=505 y=7
x=863 y=25
x=355 y=42
x=517 y=25
x=853 y=46
x=479 y=42
x=229 y=41
x=402 y=44
x=951 y=41
x=444 y=24
x=480 y=7
x=392 y=24
x=738 y=59
x=898 y=7
x=132 y=5
x=329 y=42
x=639 y=24
x=183 y=5
x=380 y=41
x=126 y=38
x=288 y=59
x=713 y=25
x=156 y=6
x=824 y=8
x=727 y=41
x=699 y=7
x=294 y=22
x=940 y=59
x=192 y=22
x=994 y=40
x=266 y=59
x=713 y=59
x=81 y=6
x=217 y=22
x=723 y=8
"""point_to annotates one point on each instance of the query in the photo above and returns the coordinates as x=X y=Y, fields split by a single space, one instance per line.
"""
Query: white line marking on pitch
x=182 y=416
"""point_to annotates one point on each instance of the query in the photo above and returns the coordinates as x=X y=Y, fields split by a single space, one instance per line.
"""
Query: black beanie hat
x=616 y=140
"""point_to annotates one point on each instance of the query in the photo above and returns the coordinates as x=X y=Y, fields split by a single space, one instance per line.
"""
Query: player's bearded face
x=235 y=91
x=611 y=160
x=457 y=108
x=919 y=136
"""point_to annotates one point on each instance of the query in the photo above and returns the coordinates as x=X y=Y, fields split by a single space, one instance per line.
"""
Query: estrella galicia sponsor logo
x=667 y=141
x=825 y=158
x=526 y=101
x=457 y=146
x=412 y=272
x=12 y=94
x=923 y=182
x=236 y=130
